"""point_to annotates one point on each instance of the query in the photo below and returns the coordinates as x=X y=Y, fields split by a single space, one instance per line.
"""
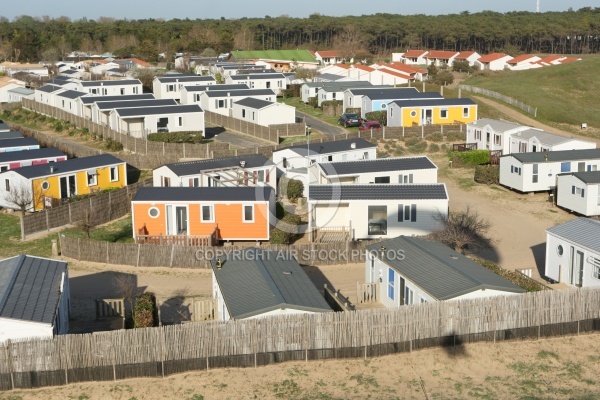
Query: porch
x=143 y=237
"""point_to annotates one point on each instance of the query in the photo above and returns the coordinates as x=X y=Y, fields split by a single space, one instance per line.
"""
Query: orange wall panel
x=155 y=226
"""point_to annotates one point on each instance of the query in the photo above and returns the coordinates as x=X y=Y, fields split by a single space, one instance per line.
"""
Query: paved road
x=321 y=126
x=238 y=140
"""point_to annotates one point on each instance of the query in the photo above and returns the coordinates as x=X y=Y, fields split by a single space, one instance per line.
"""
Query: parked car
x=349 y=120
x=368 y=125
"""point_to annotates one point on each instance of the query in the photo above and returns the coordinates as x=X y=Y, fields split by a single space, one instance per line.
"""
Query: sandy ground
x=543 y=369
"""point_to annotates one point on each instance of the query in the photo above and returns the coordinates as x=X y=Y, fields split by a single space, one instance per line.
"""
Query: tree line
x=29 y=38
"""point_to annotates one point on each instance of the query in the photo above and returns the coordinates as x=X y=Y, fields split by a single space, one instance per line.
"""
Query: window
x=407 y=213
x=261 y=176
x=596 y=267
x=248 y=213
x=497 y=140
x=194 y=182
x=114 y=174
x=135 y=90
x=243 y=113
x=208 y=214
x=330 y=158
x=180 y=121
x=252 y=115
x=559 y=250
x=366 y=155
x=197 y=97
x=413 y=113
x=92 y=178
x=391 y=112
x=350 y=100
x=577 y=191
x=94 y=91
x=534 y=177
x=478 y=135
x=122 y=91
x=3 y=168
x=444 y=113
x=105 y=91
x=7 y=185
x=280 y=84
x=268 y=85
x=45 y=185
x=592 y=168
x=63 y=104
x=408 y=296
x=166 y=181
x=515 y=170
x=391 y=278
x=405 y=178
x=383 y=106
x=170 y=88
x=565 y=167
x=221 y=103
x=382 y=179
x=466 y=112
x=153 y=212
x=377 y=220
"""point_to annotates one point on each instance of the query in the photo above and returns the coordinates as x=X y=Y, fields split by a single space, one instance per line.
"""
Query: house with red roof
x=493 y=62
x=415 y=73
x=469 y=56
x=551 y=60
x=328 y=57
x=414 y=57
x=523 y=61
x=440 y=58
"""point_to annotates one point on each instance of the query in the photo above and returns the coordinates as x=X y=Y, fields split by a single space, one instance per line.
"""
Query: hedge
x=524 y=282
x=471 y=157
x=178 y=137
x=487 y=174
x=145 y=312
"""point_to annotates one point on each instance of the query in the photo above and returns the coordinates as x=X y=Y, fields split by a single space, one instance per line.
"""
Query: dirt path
x=525 y=120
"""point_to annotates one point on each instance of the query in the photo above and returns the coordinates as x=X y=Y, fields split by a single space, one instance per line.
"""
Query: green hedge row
x=487 y=174
x=471 y=157
x=178 y=137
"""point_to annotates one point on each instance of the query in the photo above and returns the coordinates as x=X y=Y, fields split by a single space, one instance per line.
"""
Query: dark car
x=368 y=125
x=349 y=120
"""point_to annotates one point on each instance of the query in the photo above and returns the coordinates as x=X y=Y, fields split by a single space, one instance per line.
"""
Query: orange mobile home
x=189 y=214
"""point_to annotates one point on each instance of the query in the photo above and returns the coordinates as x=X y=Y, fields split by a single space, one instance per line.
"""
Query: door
x=64 y=191
x=72 y=186
x=427 y=117
x=581 y=167
x=181 y=219
x=534 y=148
x=402 y=290
x=578 y=269
x=170 y=224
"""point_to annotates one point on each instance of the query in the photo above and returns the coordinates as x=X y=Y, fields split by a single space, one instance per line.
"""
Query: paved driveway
x=321 y=126
x=238 y=140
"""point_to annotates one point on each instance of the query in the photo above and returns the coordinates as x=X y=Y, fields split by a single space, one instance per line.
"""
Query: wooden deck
x=334 y=234
x=175 y=240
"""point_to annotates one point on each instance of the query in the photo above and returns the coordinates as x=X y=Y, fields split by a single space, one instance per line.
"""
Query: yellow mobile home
x=408 y=113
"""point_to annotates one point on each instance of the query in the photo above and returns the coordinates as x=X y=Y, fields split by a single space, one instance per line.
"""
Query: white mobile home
x=376 y=210
x=169 y=87
x=254 y=283
x=579 y=192
x=101 y=109
x=262 y=112
x=191 y=94
x=532 y=140
x=138 y=122
x=379 y=101
x=493 y=134
x=18 y=94
x=573 y=253
x=221 y=101
x=401 y=170
x=536 y=172
x=84 y=104
x=45 y=94
x=276 y=82
x=66 y=100
x=330 y=90
x=34 y=298
x=112 y=87
x=413 y=270
x=353 y=97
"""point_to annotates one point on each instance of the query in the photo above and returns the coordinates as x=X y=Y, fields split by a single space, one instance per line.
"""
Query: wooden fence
x=498 y=96
x=101 y=208
x=167 y=350
x=198 y=257
x=204 y=310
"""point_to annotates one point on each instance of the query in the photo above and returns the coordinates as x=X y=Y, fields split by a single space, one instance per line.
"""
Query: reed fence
x=498 y=96
x=101 y=208
x=167 y=350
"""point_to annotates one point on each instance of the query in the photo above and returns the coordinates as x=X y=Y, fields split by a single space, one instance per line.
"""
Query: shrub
x=279 y=236
x=471 y=157
x=444 y=146
x=331 y=103
x=313 y=102
x=380 y=116
x=279 y=210
x=399 y=151
x=419 y=147
x=178 y=137
x=456 y=137
x=113 y=145
x=434 y=148
x=443 y=78
x=295 y=188
x=515 y=277
x=292 y=219
x=145 y=313
x=411 y=141
x=434 y=137
x=487 y=174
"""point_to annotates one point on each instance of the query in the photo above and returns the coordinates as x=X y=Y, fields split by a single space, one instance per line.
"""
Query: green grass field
x=563 y=94
x=298 y=55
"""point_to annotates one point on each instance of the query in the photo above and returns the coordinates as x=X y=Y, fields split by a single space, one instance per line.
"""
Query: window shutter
x=413 y=213
x=267 y=176
x=191 y=183
x=410 y=178
x=400 y=213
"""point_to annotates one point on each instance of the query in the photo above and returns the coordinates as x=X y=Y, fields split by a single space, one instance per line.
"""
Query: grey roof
x=194 y=167
x=4 y=127
x=111 y=82
x=257 y=104
x=405 y=96
x=109 y=105
x=238 y=93
x=390 y=89
x=63 y=167
x=335 y=146
x=496 y=125
x=423 y=191
x=203 y=88
x=49 y=88
x=185 y=78
x=93 y=99
x=582 y=231
x=344 y=84
x=266 y=75
x=23 y=91
x=550 y=139
x=30 y=288
x=140 y=112
x=10 y=135
x=330 y=77
x=255 y=281
x=191 y=194
x=72 y=94
x=439 y=270
x=434 y=102
x=589 y=177
x=556 y=156
x=380 y=164
x=11 y=156
x=69 y=72
x=18 y=142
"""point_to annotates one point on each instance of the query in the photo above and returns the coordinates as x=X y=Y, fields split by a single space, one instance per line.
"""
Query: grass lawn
x=300 y=139
x=298 y=55
x=11 y=245
x=563 y=94
x=313 y=112
x=119 y=231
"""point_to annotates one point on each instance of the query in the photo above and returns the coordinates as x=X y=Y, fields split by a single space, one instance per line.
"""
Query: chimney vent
x=242 y=164
x=353 y=145
x=52 y=169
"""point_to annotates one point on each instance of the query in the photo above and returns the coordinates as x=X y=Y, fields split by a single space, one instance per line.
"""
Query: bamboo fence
x=167 y=350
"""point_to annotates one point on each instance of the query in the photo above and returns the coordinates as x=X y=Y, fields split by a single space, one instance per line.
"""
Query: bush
x=444 y=147
x=331 y=103
x=279 y=236
x=456 y=137
x=420 y=147
x=411 y=141
x=145 y=313
x=178 y=137
x=434 y=148
x=471 y=157
x=487 y=174
x=434 y=137
x=399 y=151
x=443 y=78
x=113 y=145
x=292 y=219
x=380 y=116
x=515 y=277
x=313 y=102
x=295 y=188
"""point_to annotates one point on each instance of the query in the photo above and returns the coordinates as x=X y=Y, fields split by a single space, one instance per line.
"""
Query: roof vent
x=454 y=257
x=353 y=145
x=52 y=169
x=242 y=164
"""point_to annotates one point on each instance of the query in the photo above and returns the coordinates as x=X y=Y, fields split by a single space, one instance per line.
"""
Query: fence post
x=79 y=248
x=107 y=257
x=47 y=221
x=9 y=358
x=137 y=263
x=172 y=254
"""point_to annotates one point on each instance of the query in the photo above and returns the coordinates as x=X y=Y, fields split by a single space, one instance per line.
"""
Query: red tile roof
x=569 y=59
x=463 y=55
x=415 y=53
x=328 y=53
x=344 y=66
x=396 y=73
x=407 y=69
x=491 y=57
x=521 y=58
x=364 y=67
x=550 y=59
x=139 y=62
x=440 y=54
